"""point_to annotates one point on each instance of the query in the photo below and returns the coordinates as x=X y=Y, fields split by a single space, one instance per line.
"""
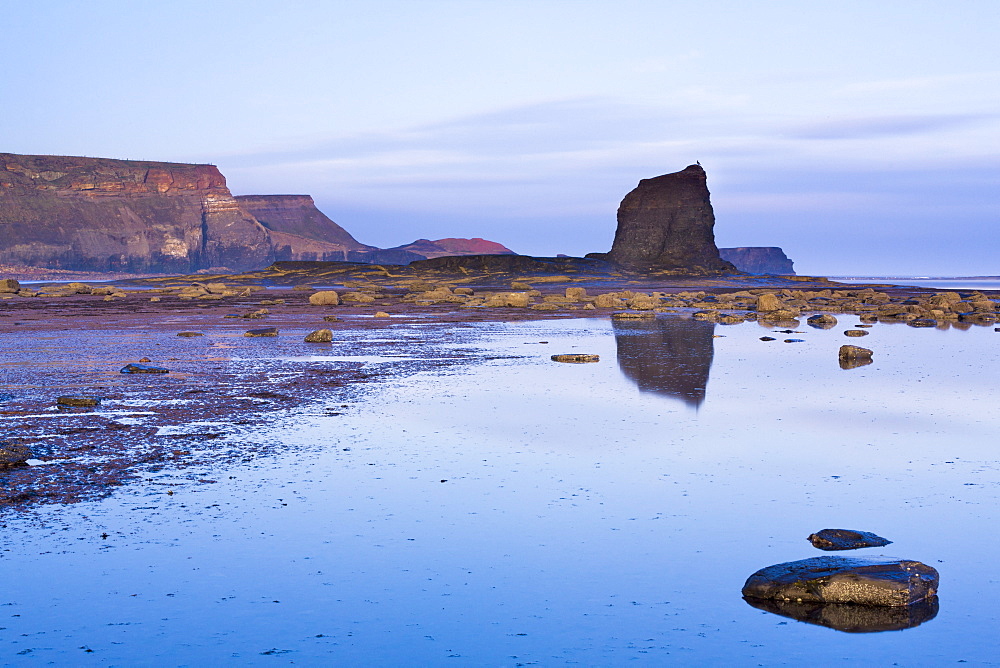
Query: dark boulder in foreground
x=667 y=223
x=845 y=539
x=13 y=453
x=880 y=581
x=851 y=618
x=143 y=368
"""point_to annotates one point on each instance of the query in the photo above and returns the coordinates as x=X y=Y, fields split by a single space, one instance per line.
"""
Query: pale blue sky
x=861 y=136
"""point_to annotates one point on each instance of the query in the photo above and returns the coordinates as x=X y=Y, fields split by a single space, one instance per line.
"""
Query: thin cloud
x=886 y=126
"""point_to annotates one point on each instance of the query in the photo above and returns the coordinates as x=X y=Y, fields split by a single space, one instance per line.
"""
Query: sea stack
x=667 y=223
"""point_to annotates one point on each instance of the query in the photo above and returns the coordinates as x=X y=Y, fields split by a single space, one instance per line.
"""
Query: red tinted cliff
x=99 y=214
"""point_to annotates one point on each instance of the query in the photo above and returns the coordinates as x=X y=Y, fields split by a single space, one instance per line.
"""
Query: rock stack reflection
x=669 y=356
x=853 y=618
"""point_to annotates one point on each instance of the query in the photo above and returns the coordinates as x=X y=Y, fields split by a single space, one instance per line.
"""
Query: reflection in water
x=853 y=618
x=670 y=356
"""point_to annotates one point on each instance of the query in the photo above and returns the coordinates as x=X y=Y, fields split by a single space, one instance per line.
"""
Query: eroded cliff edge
x=100 y=214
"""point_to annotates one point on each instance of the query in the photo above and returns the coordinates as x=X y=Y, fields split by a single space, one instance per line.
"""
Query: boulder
x=667 y=222
x=854 y=352
x=319 y=336
x=142 y=368
x=324 y=298
x=188 y=335
x=824 y=321
x=576 y=293
x=264 y=331
x=769 y=302
x=879 y=581
x=845 y=539
x=78 y=401
x=576 y=358
x=855 y=332
x=9 y=285
x=13 y=453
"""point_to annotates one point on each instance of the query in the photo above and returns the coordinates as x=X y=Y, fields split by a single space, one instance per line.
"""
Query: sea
x=512 y=510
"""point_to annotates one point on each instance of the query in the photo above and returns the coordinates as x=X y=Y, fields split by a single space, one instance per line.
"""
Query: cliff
x=667 y=223
x=452 y=247
x=98 y=214
x=759 y=260
x=300 y=231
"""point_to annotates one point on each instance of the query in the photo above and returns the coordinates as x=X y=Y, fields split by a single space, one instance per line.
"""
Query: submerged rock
x=263 y=331
x=879 y=581
x=845 y=539
x=851 y=618
x=78 y=401
x=143 y=368
x=576 y=358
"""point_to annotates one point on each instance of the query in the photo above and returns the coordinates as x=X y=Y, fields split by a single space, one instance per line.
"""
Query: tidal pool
x=518 y=511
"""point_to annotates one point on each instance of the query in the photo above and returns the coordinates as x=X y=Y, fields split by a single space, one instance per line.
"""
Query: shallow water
x=970 y=283
x=519 y=511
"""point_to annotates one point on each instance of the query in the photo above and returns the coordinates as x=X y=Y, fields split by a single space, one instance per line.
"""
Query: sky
x=861 y=137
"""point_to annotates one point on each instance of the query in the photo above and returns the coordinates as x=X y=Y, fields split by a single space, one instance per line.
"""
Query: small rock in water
x=794 y=340
x=78 y=401
x=855 y=332
x=264 y=331
x=576 y=358
x=319 y=336
x=923 y=322
x=768 y=338
x=381 y=314
x=13 y=453
x=190 y=334
x=845 y=539
x=852 y=357
x=331 y=318
x=145 y=359
x=881 y=581
x=823 y=321
x=143 y=368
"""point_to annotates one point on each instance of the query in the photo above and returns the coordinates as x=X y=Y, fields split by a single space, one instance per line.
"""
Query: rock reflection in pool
x=853 y=618
x=669 y=356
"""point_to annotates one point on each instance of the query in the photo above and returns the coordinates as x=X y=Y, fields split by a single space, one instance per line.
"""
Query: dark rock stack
x=98 y=214
x=666 y=223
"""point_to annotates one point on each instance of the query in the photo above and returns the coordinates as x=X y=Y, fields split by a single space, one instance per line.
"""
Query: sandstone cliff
x=97 y=214
x=667 y=223
x=759 y=260
x=300 y=231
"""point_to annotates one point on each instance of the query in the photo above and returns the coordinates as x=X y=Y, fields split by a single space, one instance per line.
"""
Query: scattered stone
x=189 y=334
x=923 y=322
x=9 y=285
x=576 y=293
x=880 y=581
x=256 y=315
x=768 y=338
x=381 y=314
x=78 y=401
x=855 y=332
x=629 y=315
x=854 y=352
x=468 y=292
x=145 y=359
x=331 y=318
x=769 y=302
x=794 y=340
x=824 y=321
x=154 y=299
x=264 y=331
x=845 y=539
x=142 y=368
x=324 y=298
x=520 y=285
x=319 y=336
x=13 y=454
x=576 y=358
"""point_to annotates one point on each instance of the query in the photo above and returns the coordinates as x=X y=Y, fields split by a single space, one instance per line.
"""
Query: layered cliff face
x=95 y=214
x=667 y=223
x=452 y=246
x=759 y=260
x=300 y=231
